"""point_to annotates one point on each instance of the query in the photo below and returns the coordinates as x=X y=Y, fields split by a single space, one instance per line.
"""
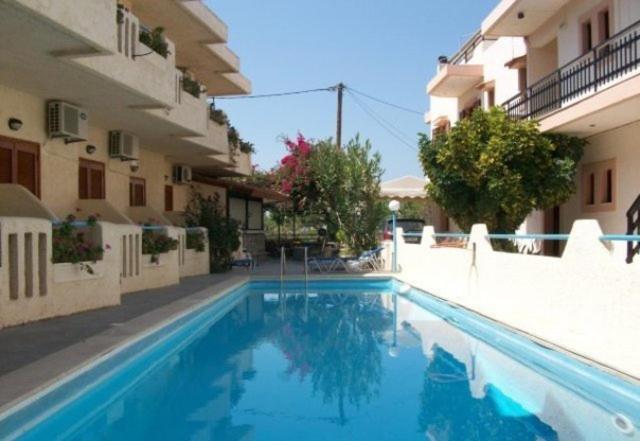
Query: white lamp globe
x=394 y=206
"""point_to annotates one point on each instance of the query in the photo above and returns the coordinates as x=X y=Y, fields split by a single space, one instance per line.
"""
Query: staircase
x=633 y=228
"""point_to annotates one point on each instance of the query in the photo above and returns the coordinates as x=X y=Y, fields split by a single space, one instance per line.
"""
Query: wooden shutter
x=6 y=164
x=137 y=192
x=91 y=180
x=168 y=198
x=20 y=164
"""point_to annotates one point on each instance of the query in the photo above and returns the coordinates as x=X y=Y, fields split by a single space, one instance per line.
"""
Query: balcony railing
x=586 y=74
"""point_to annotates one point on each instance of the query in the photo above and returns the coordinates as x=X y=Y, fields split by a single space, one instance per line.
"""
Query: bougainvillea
x=294 y=173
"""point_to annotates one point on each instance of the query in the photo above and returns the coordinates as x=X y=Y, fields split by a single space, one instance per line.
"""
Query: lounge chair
x=367 y=261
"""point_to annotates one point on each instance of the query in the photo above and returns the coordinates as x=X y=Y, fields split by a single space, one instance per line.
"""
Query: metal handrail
x=282 y=263
x=573 y=79
x=535 y=236
x=306 y=267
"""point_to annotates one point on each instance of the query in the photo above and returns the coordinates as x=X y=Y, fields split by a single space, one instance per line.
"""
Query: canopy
x=406 y=187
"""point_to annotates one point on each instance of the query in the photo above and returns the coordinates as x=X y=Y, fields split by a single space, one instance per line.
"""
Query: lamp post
x=394 y=206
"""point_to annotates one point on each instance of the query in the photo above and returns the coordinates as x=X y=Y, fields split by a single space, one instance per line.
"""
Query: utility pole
x=340 y=89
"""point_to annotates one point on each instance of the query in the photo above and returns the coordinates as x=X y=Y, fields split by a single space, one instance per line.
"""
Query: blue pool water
x=332 y=361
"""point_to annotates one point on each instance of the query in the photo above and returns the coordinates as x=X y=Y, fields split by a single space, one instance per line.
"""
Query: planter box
x=71 y=272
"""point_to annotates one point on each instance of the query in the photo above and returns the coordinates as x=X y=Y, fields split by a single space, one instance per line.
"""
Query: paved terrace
x=35 y=354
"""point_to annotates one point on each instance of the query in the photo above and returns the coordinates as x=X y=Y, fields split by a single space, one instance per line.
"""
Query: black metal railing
x=586 y=74
x=633 y=228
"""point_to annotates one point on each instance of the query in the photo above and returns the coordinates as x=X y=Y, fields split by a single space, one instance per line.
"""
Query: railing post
x=595 y=70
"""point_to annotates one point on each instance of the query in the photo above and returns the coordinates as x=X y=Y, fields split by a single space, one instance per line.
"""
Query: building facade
x=105 y=112
x=578 y=74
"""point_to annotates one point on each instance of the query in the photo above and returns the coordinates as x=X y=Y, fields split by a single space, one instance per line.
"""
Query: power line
x=384 y=124
x=380 y=119
x=273 y=95
x=381 y=101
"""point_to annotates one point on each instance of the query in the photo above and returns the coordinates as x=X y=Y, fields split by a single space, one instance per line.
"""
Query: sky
x=385 y=48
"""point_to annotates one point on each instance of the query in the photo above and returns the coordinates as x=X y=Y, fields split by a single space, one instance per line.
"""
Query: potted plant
x=155 y=40
x=156 y=243
x=71 y=245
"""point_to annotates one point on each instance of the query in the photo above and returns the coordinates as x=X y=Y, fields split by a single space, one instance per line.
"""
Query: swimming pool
x=331 y=360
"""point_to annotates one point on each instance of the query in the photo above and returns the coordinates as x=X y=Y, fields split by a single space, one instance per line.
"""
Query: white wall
x=586 y=302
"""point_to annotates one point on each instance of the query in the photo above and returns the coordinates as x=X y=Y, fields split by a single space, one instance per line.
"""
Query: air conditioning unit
x=181 y=174
x=123 y=145
x=67 y=121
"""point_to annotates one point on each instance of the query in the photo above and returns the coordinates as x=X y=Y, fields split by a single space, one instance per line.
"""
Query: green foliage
x=191 y=86
x=346 y=192
x=219 y=116
x=155 y=40
x=224 y=233
x=196 y=240
x=411 y=210
x=246 y=147
x=156 y=243
x=71 y=244
x=494 y=170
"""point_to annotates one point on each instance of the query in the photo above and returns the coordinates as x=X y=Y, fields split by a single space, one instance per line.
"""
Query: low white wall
x=194 y=263
x=33 y=288
x=166 y=271
x=587 y=301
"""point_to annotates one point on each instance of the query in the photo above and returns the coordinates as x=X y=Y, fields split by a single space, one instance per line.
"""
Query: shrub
x=219 y=116
x=156 y=243
x=195 y=240
x=155 y=40
x=223 y=233
x=191 y=86
x=70 y=245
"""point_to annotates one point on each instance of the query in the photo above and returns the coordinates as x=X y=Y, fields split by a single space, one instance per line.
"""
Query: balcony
x=592 y=83
x=453 y=80
x=519 y=18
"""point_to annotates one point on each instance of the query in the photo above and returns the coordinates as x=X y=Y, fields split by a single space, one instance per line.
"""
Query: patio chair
x=245 y=261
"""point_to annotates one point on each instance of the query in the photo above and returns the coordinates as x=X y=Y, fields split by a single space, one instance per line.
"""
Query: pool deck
x=36 y=354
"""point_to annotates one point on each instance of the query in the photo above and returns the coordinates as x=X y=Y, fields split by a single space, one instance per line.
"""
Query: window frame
x=133 y=182
x=92 y=165
x=594 y=180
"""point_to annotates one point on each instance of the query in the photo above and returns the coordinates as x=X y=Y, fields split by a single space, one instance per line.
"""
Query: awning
x=406 y=187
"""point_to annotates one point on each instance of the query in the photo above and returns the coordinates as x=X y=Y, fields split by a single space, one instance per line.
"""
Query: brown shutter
x=137 y=192
x=168 y=198
x=6 y=162
x=27 y=169
x=83 y=182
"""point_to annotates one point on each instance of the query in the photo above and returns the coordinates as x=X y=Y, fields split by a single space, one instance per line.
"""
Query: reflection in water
x=338 y=345
x=446 y=391
x=336 y=365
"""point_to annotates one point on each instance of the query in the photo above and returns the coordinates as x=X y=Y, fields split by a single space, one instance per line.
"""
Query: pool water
x=338 y=361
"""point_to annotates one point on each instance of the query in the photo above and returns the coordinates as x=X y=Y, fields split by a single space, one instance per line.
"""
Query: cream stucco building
x=105 y=111
x=573 y=66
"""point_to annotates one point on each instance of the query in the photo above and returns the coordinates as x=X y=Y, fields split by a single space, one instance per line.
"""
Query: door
x=137 y=192
x=20 y=164
x=168 y=198
x=552 y=226
x=91 y=180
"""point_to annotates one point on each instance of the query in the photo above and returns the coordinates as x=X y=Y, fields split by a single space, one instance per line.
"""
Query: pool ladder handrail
x=283 y=264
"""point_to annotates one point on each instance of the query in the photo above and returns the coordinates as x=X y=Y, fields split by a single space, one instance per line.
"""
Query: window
x=604 y=25
x=20 y=164
x=599 y=186
x=596 y=27
x=137 y=192
x=587 y=37
x=467 y=111
x=168 y=198
x=491 y=98
x=91 y=180
x=522 y=79
x=238 y=211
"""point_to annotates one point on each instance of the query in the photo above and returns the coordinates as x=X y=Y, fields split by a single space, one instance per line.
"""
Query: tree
x=495 y=170
x=346 y=191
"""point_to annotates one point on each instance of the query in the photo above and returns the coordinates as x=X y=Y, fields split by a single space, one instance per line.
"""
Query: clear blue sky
x=384 y=48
